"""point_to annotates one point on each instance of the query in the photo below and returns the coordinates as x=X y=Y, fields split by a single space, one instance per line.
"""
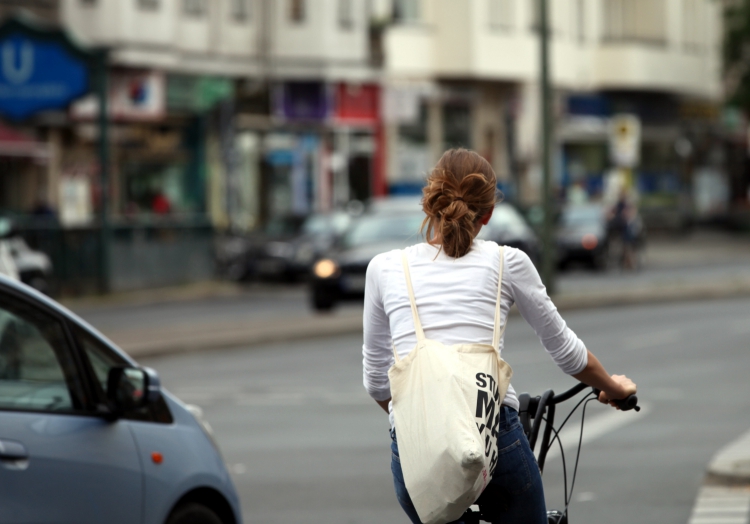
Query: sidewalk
x=731 y=465
x=214 y=315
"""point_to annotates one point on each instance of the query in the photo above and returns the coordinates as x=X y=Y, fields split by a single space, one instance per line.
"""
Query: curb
x=154 y=342
x=731 y=464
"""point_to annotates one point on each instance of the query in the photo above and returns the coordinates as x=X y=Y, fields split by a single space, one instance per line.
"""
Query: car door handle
x=12 y=451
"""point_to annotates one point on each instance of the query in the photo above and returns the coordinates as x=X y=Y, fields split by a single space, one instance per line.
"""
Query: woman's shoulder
x=489 y=248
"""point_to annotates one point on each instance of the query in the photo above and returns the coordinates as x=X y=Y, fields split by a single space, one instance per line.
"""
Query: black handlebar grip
x=625 y=404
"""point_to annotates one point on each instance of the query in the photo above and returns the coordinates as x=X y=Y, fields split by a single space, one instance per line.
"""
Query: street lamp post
x=104 y=229
x=548 y=239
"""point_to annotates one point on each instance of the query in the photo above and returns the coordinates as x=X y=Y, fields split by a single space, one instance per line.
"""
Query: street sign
x=625 y=140
x=40 y=69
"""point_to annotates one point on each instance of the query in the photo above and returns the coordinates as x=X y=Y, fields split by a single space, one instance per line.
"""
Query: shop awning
x=14 y=143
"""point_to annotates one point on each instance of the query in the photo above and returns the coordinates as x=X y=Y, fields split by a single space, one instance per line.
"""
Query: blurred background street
x=205 y=182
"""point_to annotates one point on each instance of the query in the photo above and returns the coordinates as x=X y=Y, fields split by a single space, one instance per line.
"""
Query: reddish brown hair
x=460 y=190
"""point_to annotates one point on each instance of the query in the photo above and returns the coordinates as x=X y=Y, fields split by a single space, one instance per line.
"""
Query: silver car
x=88 y=436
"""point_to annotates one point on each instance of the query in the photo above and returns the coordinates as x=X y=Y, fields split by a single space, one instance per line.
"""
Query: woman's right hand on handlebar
x=625 y=388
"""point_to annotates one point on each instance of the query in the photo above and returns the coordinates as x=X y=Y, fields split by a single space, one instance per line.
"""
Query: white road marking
x=595 y=427
x=721 y=505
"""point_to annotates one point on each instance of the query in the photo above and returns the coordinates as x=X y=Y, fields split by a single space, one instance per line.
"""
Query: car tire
x=322 y=302
x=193 y=513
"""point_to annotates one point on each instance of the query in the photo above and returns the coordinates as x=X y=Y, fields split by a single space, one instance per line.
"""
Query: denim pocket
x=513 y=471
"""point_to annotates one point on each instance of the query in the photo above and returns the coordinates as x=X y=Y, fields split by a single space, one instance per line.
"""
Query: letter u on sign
x=18 y=64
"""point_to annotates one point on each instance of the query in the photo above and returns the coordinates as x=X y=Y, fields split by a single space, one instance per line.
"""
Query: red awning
x=14 y=143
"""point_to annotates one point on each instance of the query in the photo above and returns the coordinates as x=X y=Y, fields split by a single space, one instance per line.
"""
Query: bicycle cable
x=585 y=400
x=562 y=456
x=578 y=456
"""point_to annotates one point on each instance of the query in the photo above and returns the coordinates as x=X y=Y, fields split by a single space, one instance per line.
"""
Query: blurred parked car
x=340 y=275
x=87 y=435
x=244 y=256
x=7 y=265
x=582 y=236
x=30 y=266
x=293 y=258
x=508 y=227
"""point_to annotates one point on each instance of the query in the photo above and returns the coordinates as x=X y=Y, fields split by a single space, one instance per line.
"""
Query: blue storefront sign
x=39 y=70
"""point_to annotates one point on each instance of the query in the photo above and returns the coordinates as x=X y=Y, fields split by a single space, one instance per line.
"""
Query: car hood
x=363 y=254
x=575 y=233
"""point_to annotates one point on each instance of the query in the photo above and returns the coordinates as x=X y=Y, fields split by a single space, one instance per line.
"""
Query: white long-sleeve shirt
x=456 y=304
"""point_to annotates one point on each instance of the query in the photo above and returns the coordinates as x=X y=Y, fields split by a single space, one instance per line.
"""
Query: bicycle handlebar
x=625 y=404
x=532 y=410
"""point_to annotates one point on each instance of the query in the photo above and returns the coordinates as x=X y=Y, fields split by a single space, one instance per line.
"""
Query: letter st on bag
x=488 y=416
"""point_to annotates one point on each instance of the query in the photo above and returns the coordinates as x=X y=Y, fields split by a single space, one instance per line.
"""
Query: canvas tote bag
x=446 y=408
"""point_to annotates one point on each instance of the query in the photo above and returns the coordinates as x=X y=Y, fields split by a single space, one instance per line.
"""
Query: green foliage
x=737 y=53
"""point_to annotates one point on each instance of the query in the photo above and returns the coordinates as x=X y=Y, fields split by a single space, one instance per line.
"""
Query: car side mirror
x=131 y=388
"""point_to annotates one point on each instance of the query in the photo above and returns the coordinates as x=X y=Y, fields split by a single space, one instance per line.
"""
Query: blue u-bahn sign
x=40 y=69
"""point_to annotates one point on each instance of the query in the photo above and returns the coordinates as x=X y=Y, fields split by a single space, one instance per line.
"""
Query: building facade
x=224 y=114
x=467 y=74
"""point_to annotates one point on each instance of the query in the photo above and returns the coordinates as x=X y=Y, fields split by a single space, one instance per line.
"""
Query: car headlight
x=326 y=268
x=589 y=241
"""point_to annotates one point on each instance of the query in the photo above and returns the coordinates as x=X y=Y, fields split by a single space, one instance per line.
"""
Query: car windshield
x=581 y=215
x=505 y=217
x=377 y=228
x=326 y=224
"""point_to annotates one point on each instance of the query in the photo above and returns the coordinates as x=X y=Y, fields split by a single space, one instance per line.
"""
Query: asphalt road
x=307 y=445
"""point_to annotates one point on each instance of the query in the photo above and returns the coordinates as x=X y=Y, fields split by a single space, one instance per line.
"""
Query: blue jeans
x=516 y=488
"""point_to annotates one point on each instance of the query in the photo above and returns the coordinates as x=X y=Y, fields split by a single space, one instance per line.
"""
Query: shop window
x=241 y=10
x=148 y=5
x=501 y=14
x=194 y=7
x=456 y=125
x=297 y=11
x=346 y=14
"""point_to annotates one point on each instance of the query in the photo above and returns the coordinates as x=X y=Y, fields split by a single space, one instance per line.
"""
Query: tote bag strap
x=410 y=290
x=498 y=332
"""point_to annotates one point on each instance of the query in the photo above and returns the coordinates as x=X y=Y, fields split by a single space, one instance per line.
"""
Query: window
x=635 y=21
x=581 y=20
x=37 y=372
x=346 y=14
x=501 y=14
x=101 y=359
x=194 y=7
x=406 y=11
x=241 y=10
x=148 y=5
x=694 y=17
x=297 y=11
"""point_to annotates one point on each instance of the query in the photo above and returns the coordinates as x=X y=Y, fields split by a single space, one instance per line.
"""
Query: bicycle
x=532 y=412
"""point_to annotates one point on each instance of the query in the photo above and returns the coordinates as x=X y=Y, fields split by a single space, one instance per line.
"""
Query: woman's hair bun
x=459 y=191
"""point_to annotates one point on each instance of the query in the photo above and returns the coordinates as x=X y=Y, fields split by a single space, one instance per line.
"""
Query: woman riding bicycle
x=455 y=281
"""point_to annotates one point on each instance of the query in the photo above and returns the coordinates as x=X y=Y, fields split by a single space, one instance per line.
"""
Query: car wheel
x=322 y=302
x=193 y=514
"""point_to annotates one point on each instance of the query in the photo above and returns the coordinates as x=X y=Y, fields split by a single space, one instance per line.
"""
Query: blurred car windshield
x=378 y=228
x=505 y=217
x=281 y=226
x=581 y=215
x=334 y=224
